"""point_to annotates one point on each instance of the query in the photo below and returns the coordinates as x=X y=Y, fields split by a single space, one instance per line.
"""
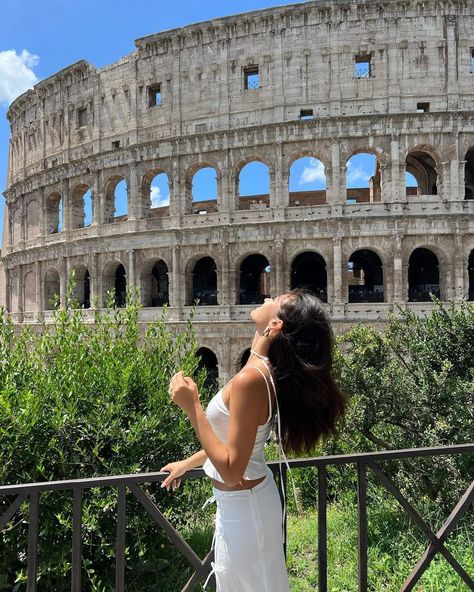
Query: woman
x=287 y=377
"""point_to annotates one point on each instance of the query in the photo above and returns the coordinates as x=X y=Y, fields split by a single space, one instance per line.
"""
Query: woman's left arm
x=247 y=397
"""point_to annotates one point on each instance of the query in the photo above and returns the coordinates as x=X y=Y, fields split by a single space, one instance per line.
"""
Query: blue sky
x=38 y=38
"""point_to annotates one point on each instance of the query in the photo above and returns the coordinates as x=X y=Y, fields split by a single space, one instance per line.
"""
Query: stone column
x=175 y=292
x=175 y=190
x=337 y=192
x=397 y=189
x=458 y=181
x=8 y=291
x=66 y=199
x=337 y=262
x=19 y=279
x=279 y=267
x=43 y=213
x=131 y=271
x=96 y=287
x=281 y=197
x=63 y=280
x=97 y=200
x=223 y=294
x=135 y=205
x=398 y=295
x=39 y=291
x=452 y=66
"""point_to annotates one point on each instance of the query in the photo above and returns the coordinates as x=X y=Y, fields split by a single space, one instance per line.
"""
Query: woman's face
x=266 y=312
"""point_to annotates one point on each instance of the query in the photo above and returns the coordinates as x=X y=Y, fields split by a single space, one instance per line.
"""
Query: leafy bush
x=86 y=399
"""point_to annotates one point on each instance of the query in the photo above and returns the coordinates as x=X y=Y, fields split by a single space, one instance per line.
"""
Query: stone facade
x=327 y=79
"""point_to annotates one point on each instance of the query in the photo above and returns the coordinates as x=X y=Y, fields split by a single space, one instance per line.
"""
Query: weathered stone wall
x=87 y=128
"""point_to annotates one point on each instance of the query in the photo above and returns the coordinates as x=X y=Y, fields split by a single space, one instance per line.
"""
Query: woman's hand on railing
x=175 y=470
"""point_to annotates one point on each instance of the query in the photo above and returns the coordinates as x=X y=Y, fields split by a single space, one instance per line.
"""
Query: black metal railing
x=363 y=462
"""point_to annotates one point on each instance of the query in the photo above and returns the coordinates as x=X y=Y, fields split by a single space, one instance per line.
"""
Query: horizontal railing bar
x=318 y=461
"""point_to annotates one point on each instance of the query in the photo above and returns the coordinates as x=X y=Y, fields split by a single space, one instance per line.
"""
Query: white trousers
x=248 y=552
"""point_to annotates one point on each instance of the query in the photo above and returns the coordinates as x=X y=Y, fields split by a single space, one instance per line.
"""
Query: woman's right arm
x=178 y=468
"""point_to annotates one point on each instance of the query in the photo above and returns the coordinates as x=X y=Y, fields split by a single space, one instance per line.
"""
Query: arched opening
x=204 y=190
x=470 y=269
x=469 y=175
x=82 y=207
x=115 y=282
x=363 y=178
x=204 y=282
x=32 y=220
x=159 y=193
x=208 y=361
x=54 y=213
x=423 y=168
x=411 y=184
x=116 y=200
x=52 y=287
x=365 y=277
x=155 y=285
x=423 y=275
x=254 y=186
x=307 y=182
x=244 y=358
x=29 y=283
x=308 y=270
x=82 y=289
x=254 y=284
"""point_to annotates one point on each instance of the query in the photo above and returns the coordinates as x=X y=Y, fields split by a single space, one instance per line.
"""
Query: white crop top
x=218 y=416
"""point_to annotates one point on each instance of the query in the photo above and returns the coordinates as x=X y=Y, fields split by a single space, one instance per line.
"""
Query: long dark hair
x=310 y=401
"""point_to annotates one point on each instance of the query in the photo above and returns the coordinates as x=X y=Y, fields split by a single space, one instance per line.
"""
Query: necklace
x=262 y=357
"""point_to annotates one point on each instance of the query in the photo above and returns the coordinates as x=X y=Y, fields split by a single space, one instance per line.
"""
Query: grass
x=392 y=552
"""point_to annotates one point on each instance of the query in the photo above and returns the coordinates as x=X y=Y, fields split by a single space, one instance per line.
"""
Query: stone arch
x=82 y=206
x=115 y=199
x=32 y=215
x=365 y=276
x=364 y=175
x=423 y=162
x=201 y=281
x=249 y=172
x=154 y=283
x=244 y=356
x=82 y=288
x=469 y=174
x=115 y=279
x=197 y=195
x=313 y=173
x=208 y=361
x=309 y=270
x=423 y=274
x=51 y=287
x=156 y=192
x=54 y=213
x=29 y=291
x=253 y=279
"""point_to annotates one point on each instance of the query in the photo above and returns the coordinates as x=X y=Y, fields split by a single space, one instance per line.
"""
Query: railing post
x=362 y=525
x=32 y=543
x=76 y=540
x=120 y=545
x=322 y=531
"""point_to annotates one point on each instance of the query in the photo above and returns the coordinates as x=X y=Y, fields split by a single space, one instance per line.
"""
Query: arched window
x=363 y=178
x=308 y=270
x=54 y=213
x=116 y=200
x=159 y=191
x=82 y=214
x=204 y=282
x=307 y=183
x=423 y=168
x=204 y=185
x=254 y=284
x=115 y=282
x=208 y=361
x=423 y=275
x=469 y=175
x=155 y=284
x=254 y=185
x=51 y=288
x=82 y=290
x=365 y=277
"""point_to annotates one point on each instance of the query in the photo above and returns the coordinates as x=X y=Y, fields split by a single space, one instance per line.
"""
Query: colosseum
x=324 y=81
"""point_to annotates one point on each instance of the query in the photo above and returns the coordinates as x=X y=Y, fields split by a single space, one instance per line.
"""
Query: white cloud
x=16 y=73
x=313 y=171
x=357 y=174
x=158 y=200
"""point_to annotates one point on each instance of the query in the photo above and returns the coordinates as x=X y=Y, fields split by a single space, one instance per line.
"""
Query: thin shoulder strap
x=269 y=393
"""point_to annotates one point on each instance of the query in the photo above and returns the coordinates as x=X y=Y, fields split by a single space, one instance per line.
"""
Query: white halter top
x=218 y=416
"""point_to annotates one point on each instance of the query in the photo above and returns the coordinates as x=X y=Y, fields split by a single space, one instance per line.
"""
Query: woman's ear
x=276 y=324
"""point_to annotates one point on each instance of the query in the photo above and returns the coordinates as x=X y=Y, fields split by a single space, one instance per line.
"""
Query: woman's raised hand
x=175 y=470
x=183 y=391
